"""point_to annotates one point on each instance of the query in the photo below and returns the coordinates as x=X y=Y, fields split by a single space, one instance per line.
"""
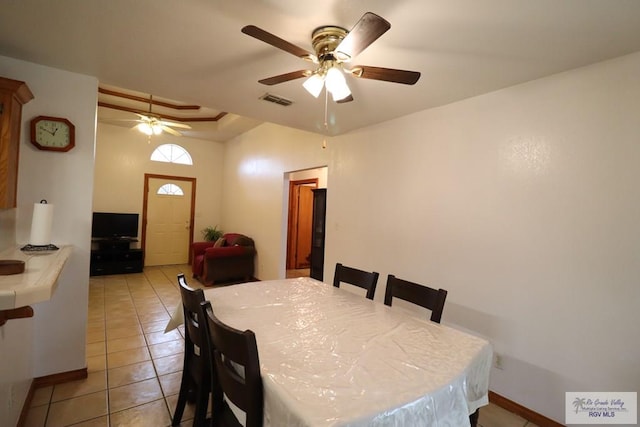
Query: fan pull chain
x=326 y=123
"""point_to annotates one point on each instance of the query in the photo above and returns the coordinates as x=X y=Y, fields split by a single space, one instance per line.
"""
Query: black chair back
x=415 y=293
x=196 y=377
x=363 y=279
x=237 y=366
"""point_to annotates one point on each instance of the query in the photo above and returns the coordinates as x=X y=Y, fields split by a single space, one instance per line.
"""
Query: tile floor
x=134 y=367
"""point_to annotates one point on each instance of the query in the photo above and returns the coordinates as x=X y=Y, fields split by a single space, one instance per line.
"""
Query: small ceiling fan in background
x=152 y=124
x=335 y=48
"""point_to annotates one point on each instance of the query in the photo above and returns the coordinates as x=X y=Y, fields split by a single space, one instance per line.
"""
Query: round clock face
x=52 y=133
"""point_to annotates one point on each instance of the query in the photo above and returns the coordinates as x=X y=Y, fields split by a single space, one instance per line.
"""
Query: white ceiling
x=193 y=50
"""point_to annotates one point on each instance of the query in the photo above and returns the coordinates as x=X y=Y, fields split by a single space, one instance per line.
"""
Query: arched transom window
x=170 y=190
x=171 y=153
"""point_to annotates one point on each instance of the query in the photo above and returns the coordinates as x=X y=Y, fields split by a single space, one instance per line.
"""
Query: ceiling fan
x=334 y=48
x=152 y=124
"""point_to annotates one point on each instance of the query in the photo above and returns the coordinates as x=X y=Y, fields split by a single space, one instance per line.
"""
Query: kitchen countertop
x=39 y=280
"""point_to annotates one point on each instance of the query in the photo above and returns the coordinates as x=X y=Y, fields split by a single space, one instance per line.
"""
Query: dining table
x=330 y=357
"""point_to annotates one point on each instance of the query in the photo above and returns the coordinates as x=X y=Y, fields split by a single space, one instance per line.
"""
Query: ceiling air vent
x=276 y=99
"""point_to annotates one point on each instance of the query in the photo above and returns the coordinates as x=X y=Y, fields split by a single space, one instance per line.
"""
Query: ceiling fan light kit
x=151 y=124
x=150 y=128
x=335 y=46
x=331 y=76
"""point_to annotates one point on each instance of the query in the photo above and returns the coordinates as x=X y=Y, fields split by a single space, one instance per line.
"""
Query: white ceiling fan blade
x=171 y=131
x=174 y=124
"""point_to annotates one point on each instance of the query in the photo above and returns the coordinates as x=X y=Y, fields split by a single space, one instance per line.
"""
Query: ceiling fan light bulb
x=334 y=79
x=145 y=128
x=314 y=84
x=337 y=84
x=157 y=129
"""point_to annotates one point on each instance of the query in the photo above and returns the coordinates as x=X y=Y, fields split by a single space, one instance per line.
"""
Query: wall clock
x=52 y=133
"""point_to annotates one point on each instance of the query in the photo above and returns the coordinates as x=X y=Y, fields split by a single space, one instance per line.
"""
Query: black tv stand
x=115 y=256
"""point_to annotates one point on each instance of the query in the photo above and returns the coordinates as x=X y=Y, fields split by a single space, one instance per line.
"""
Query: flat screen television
x=109 y=225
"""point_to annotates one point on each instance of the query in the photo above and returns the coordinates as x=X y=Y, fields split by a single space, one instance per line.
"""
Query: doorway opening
x=299 y=220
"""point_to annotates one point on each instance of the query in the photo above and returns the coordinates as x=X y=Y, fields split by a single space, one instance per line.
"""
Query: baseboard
x=45 y=381
x=520 y=410
x=62 y=377
x=27 y=404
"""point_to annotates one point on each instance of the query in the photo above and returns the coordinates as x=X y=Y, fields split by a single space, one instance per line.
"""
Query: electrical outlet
x=497 y=362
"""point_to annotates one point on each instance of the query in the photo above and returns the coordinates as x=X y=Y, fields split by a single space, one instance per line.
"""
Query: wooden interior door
x=300 y=219
x=168 y=222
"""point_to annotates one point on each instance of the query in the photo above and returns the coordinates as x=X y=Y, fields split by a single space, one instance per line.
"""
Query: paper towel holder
x=39 y=248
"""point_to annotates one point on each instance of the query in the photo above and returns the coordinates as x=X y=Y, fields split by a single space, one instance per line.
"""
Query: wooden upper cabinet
x=13 y=95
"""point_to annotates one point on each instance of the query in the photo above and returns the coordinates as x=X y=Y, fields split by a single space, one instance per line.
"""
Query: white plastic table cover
x=329 y=357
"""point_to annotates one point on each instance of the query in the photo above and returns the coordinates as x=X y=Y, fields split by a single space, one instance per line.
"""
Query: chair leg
x=202 y=404
x=473 y=418
x=182 y=399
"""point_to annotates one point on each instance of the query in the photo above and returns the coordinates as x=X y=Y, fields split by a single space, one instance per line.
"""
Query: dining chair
x=234 y=359
x=424 y=296
x=196 y=377
x=363 y=279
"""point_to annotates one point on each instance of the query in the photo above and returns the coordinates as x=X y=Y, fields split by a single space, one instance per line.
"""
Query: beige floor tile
x=96 y=422
x=93 y=316
x=148 y=307
x=95 y=381
x=127 y=331
x=42 y=396
x=148 y=327
x=161 y=336
x=130 y=374
x=494 y=416
x=119 y=313
x=126 y=343
x=143 y=295
x=96 y=336
x=96 y=349
x=135 y=394
x=122 y=322
x=166 y=348
x=154 y=317
x=120 y=300
x=36 y=416
x=96 y=363
x=95 y=327
x=151 y=414
x=73 y=411
x=127 y=357
x=169 y=364
x=170 y=383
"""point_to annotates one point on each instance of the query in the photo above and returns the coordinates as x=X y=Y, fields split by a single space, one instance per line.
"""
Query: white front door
x=168 y=222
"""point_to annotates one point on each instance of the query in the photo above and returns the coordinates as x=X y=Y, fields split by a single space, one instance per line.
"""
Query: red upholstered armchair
x=233 y=260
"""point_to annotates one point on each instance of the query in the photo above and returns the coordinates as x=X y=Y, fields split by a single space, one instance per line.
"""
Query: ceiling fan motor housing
x=325 y=40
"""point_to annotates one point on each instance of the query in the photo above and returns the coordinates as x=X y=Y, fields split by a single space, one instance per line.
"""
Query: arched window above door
x=171 y=153
x=170 y=190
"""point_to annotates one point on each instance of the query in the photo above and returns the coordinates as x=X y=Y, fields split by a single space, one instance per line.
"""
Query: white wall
x=256 y=192
x=320 y=173
x=122 y=159
x=54 y=340
x=522 y=203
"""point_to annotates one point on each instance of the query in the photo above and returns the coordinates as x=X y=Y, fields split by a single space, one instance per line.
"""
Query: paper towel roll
x=41 y=224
